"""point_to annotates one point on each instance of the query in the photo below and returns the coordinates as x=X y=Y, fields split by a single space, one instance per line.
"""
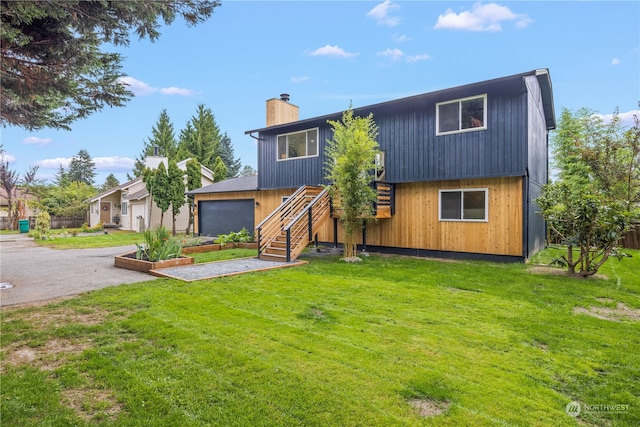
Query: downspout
x=526 y=193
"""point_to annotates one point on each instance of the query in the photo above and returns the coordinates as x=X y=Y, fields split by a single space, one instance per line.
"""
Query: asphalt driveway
x=39 y=273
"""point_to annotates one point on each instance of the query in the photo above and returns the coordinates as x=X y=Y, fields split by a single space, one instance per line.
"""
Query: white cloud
x=6 y=157
x=615 y=61
x=482 y=17
x=381 y=14
x=54 y=163
x=626 y=118
x=392 y=54
x=176 y=91
x=114 y=164
x=334 y=51
x=34 y=140
x=299 y=79
x=140 y=88
x=400 y=38
x=416 y=58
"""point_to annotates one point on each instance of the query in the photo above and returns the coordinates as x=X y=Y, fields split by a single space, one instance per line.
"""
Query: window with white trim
x=464 y=205
x=461 y=115
x=124 y=208
x=298 y=144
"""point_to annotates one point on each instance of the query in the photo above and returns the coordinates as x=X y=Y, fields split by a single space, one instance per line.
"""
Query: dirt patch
x=64 y=316
x=429 y=408
x=48 y=357
x=620 y=313
x=93 y=404
x=545 y=269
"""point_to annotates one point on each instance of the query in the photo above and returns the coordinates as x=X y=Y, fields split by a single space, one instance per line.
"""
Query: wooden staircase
x=284 y=234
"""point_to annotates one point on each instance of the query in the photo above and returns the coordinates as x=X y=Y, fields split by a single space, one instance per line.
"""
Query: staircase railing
x=273 y=224
x=303 y=227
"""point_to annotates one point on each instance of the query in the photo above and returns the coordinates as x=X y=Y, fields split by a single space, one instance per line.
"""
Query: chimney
x=280 y=111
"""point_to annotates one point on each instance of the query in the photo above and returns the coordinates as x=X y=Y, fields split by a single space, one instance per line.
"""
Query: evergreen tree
x=194 y=181
x=201 y=137
x=157 y=183
x=163 y=137
x=220 y=171
x=247 y=170
x=61 y=179
x=176 y=191
x=53 y=69
x=226 y=153
x=82 y=168
x=110 y=182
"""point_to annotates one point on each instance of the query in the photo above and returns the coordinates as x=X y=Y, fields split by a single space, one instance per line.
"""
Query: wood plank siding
x=415 y=224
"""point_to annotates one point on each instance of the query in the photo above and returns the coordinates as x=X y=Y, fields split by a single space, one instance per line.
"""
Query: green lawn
x=62 y=239
x=331 y=343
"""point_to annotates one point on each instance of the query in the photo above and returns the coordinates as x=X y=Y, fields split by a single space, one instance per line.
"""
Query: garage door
x=217 y=217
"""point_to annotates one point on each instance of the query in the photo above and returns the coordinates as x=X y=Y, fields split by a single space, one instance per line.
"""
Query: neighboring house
x=457 y=175
x=129 y=205
x=17 y=197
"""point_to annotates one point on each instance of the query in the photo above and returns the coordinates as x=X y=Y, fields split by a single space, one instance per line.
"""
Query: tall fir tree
x=110 y=182
x=227 y=155
x=163 y=137
x=157 y=183
x=61 y=179
x=200 y=139
x=54 y=68
x=82 y=168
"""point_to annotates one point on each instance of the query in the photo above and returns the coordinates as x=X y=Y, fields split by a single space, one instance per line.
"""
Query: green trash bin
x=23 y=225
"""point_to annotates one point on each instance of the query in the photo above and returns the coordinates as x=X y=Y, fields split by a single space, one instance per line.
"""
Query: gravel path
x=222 y=268
x=38 y=273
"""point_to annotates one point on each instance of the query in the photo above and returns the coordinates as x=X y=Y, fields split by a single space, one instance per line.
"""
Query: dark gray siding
x=537 y=166
x=407 y=133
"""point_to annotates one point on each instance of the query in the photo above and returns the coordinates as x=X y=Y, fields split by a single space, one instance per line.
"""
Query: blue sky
x=328 y=54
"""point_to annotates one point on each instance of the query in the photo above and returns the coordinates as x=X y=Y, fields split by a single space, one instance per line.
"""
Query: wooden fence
x=57 y=222
x=632 y=239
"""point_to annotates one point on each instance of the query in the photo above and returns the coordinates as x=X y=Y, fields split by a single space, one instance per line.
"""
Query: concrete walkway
x=39 y=273
x=211 y=270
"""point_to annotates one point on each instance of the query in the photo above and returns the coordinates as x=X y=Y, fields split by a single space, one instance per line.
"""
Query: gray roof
x=243 y=183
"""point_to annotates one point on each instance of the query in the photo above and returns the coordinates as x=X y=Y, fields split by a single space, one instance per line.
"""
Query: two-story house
x=457 y=175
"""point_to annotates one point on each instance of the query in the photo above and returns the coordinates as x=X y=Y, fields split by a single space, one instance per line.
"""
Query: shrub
x=158 y=246
x=43 y=224
x=241 y=236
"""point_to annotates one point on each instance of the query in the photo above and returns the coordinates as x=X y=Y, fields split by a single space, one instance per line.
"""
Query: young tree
x=157 y=183
x=227 y=155
x=11 y=182
x=247 y=170
x=200 y=139
x=110 y=182
x=163 y=137
x=53 y=69
x=219 y=170
x=176 y=191
x=82 y=168
x=596 y=199
x=69 y=200
x=194 y=181
x=351 y=156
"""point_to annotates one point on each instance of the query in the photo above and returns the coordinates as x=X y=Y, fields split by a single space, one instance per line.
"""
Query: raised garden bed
x=130 y=262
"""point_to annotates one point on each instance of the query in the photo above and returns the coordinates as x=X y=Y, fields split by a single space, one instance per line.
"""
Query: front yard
x=389 y=341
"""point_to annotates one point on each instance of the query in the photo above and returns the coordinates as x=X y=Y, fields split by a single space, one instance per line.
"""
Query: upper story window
x=464 y=205
x=462 y=115
x=298 y=144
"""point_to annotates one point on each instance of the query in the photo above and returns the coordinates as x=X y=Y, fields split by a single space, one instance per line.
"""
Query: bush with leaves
x=242 y=236
x=43 y=225
x=159 y=245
